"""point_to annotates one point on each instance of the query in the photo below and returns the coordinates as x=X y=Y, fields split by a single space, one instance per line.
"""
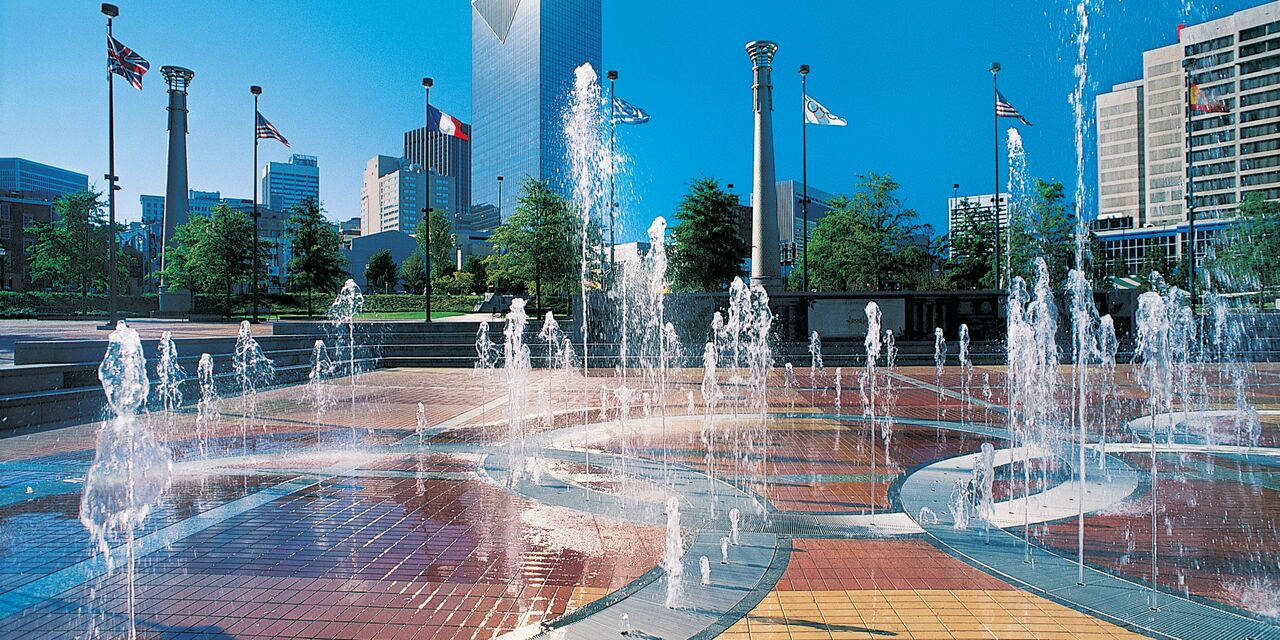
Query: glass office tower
x=523 y=53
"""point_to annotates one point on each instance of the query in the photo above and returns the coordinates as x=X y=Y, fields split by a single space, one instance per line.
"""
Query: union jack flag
x=1006 y=110
x=123 y=61
x=268 y=130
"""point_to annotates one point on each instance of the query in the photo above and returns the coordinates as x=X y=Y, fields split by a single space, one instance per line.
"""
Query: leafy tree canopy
x=707 y=249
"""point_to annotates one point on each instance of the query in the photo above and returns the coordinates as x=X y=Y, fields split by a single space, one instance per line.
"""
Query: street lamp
x=804 y=174
x=499 y=201
x=111 y=11
x=995 y=195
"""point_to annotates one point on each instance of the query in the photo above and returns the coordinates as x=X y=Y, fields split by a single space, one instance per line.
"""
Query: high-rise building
x=523 y=55
x=980 y=209
x=791 y=225
x=286 y=184
x=444 y=155
x=34 y=180
x=202 y=203
x=1143 y=144
x=395 y=191
x=152 y=209
x=18 y=213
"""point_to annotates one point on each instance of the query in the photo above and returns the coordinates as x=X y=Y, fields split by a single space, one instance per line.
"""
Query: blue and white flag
x=627 y=113
x=815 y=113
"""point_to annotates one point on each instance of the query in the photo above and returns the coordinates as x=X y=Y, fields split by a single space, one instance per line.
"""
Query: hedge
x=31 y=304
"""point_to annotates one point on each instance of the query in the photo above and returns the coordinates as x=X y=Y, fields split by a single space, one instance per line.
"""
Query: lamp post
x=1188 y=66
x=804 y=173
x=111 y=11
x=995 y=195
x=256 y=91
x=613 y=128
x=499 y=201
x=426 y=101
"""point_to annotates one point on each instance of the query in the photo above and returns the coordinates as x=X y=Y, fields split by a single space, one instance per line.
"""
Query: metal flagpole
x=613 y=132
x=804 y=175
x=995 y=195
x=111 y=11
x=256 y=91
x=426 y=134
x=1190 y=195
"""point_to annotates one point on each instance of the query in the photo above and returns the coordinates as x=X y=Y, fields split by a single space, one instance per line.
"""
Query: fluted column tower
x=765 y=264
x=176 y=205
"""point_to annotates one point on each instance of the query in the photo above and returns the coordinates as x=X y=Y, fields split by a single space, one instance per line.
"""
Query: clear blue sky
x=341 y=81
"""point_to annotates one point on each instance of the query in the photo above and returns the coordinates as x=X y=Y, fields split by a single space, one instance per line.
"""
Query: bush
x=31 y=304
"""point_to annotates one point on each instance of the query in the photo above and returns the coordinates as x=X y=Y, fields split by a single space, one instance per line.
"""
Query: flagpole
x=1190 y=195
x=804 y=176
x=111 y=11
x=995 y=144
x=426 y=134
x=256 y=91
x=613 y=131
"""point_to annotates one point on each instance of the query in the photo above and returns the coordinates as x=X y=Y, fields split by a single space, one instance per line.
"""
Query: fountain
x=705 y=564
x=131 y=468
x=672 y=563
x=516 y=373
x=253 y=369
x=207 y=405
x=169 y=378
x=319 y=392
x=342 y=319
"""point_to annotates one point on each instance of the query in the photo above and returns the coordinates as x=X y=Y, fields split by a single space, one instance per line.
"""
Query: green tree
x=380 y=272
x=868 y=241
x=413 y=273
x=475 y=266
x=540 y=241
x=72 y=251
x=1247 y=253
x=317 y=261
x=442 y=241
x=1043 y=227
x=214 y=253
x=706 y=250
x=970 y=250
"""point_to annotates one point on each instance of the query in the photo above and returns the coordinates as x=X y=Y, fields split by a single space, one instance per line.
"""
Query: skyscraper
x=39 y=181
x=444 y=155
x=523 y=54
x=394 y=192
x=285 y=184
x=1143 y=146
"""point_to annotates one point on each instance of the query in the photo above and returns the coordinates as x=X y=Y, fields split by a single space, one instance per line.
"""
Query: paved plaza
x=362 y=521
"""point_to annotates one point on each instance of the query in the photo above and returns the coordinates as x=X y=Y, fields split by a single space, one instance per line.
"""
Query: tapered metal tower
x=176 y=205
x=766 y=269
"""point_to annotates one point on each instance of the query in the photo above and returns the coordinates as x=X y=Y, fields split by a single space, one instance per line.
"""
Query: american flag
x=123 y=61
x=1006 y=110
x=268 y=130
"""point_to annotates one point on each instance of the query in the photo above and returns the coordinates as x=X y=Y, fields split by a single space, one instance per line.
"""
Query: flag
x=815 y=113
x=626 y=113
x=1006 y=110
x=1204 y=102
x=123 y=61
x=439 y=121
x=268 y=130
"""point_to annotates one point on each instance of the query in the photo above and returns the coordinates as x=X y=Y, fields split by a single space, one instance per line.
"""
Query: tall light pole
x=111 y=11
x=613 y=129
x=995 y=195
x=804 y=173
x=499 y=201
x=1188 y=66
x=256 y=91
x=426 y=101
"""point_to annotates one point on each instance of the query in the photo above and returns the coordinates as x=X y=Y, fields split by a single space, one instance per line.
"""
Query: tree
x=214 y=253
x=475 y=266
x=1042 y=228
x=317 y=261
x=380 y=272
x=1247 y=255
x=413 y=273
x=442 y=241
x=868 y=241
x=541 y=243
x=706 y=251
x=72 y=251
x=971 y=248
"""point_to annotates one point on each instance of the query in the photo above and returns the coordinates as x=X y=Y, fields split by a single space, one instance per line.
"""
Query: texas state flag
x=438 y=120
